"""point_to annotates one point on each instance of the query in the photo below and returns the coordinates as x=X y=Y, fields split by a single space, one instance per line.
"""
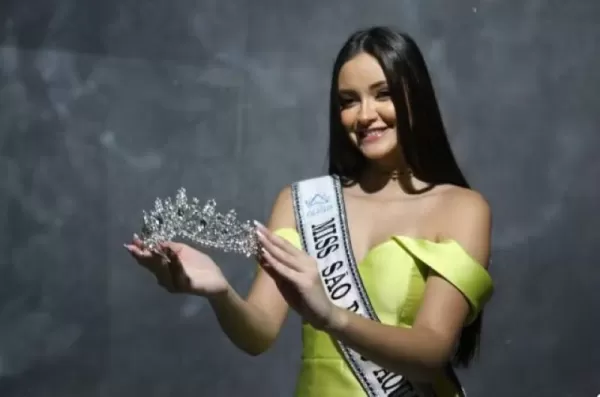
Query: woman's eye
x=345 y=102
x=384 y=94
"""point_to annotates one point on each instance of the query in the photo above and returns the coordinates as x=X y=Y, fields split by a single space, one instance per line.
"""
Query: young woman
x=413 y=231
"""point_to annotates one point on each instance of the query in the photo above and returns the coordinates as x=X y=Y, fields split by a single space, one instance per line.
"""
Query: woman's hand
x=181 y=269
x=297 y=276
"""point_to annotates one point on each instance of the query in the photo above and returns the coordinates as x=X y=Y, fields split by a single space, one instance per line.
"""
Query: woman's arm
x=421 y=351
x=252 y=324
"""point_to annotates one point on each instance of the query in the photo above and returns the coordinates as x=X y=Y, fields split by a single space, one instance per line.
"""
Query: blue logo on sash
x=319 y=203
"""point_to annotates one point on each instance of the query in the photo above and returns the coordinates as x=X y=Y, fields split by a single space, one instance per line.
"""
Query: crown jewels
x=201 y=224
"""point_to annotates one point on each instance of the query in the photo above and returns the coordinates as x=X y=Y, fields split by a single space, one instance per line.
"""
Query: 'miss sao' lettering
x=325 y=238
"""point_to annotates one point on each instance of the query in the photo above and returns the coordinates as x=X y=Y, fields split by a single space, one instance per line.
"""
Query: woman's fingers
x=276 y=240
x=137 y=241
x=274 y=251
x=163 y=262
x=139 y=254
x=174 y=247
x=280 y=269
x=156 y=262
x=283 y=257
x=178 y=275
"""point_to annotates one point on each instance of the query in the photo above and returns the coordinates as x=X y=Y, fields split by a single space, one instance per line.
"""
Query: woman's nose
x=367 y=113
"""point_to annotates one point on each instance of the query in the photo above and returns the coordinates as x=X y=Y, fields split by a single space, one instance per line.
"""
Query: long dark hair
x=420 y=129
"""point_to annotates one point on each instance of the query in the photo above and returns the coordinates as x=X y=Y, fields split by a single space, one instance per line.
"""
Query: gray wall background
x=106 y=105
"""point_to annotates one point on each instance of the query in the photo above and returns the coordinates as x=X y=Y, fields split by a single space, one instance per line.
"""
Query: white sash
x=321 y=222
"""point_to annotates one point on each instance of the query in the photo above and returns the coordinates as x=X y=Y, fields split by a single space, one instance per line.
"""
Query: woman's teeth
x=374 y=133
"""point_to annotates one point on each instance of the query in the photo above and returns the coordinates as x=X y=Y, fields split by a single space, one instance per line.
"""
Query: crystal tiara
x=199 y=223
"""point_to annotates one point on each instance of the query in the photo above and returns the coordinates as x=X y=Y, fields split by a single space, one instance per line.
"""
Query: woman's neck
x=398 y=178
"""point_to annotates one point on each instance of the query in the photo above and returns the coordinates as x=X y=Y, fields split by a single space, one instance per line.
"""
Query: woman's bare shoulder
x=465 y=216
x=282 y=211
x=456 y=198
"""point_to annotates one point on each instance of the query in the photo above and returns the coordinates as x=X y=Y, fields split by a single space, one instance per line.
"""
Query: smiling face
x=367 y=110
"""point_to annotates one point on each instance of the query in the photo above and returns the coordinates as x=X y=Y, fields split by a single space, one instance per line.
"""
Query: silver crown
x=199 y=223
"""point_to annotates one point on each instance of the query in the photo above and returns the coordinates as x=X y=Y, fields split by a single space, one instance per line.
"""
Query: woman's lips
x=372 y=135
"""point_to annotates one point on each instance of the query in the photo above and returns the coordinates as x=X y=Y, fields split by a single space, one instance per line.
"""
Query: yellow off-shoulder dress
x=394 y=275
